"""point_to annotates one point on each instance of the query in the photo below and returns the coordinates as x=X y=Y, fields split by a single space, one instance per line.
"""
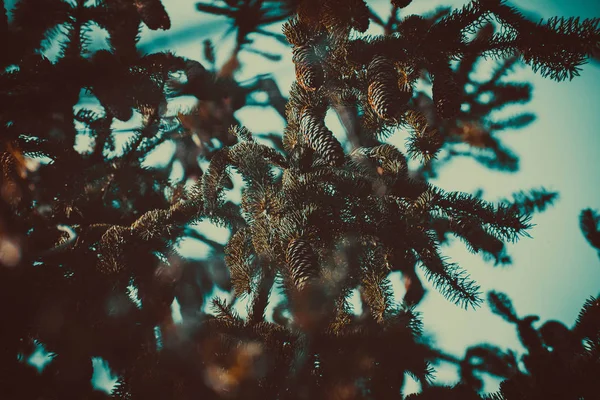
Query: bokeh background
x=552 y=274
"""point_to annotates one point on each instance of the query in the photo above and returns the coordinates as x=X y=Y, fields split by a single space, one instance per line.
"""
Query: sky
x=554 y=272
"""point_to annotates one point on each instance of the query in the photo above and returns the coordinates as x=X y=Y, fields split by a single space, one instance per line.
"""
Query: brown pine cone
x=302 y=262
x=384 y=94
x=321 y=139
x=309 y=72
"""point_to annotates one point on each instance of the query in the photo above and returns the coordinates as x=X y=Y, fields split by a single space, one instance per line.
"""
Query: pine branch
x=502 y=306
x=539 y=44
x=587 y=325
x=589 y=222
x=239 y=257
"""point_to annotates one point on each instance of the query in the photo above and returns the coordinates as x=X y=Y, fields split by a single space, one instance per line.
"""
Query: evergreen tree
x=89 y=265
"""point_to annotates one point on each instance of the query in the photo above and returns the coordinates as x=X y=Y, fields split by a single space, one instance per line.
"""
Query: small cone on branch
x=309 y=72
x=321 y=139
x=297 y=32
x=384 y=95
x=302 y=262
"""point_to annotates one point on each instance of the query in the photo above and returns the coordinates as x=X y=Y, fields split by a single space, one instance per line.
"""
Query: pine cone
x=302 y=262
x=321 y=139
x=309 y=72
x=384 y=95
x=153 y=13
x=391 y=161
x=297 y=33
x=446 y=95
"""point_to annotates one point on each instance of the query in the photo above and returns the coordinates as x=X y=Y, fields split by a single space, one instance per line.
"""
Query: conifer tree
x=89 y=261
